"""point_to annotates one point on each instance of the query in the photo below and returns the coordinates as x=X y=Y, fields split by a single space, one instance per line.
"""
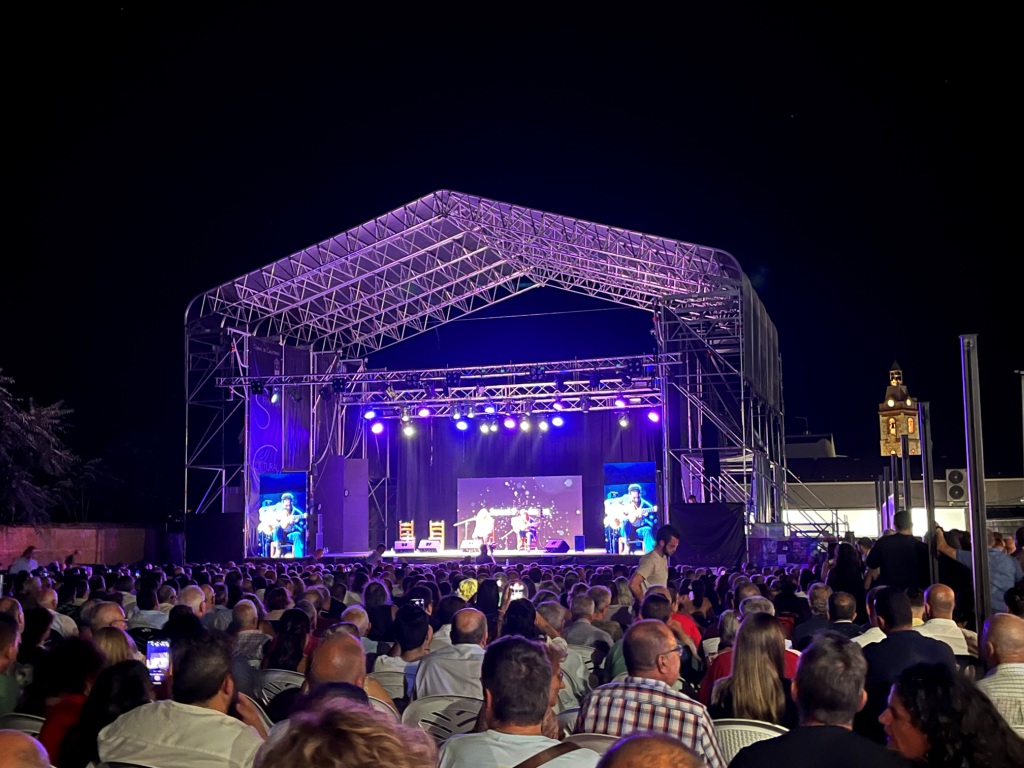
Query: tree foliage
x=39 y=475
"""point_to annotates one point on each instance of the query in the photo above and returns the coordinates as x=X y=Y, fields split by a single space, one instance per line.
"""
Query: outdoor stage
x=511 y=556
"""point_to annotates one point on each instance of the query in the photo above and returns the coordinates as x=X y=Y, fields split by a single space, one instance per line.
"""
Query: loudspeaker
x=580 y=543
x=470 y=545
x=429 y=545
x=556 y=545
x=405 y=545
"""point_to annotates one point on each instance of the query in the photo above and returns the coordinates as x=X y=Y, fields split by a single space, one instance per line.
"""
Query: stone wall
x=96 y=543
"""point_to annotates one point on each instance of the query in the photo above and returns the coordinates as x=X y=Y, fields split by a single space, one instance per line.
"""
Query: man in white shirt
x=939 y=601
x=653 y=568
x=148 y=613
x=194 y=728
x=412 y=639
x=455 y=670
x=63 y=625
x=516 y=689
x=874 y=633
x=1002 y=647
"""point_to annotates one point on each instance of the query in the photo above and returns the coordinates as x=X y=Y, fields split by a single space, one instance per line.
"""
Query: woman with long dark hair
x=847 y=575
x=486 y=601
x=942 y=719
x=377 y=602
x=288 y=648
x=757 y=689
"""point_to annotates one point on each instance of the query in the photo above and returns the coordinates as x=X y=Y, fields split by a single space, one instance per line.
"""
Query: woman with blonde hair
x=116 y=645
x=757 y=689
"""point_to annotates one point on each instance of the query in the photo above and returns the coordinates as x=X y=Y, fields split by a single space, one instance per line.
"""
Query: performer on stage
x=635 y=509
x=526 y=530
x=293 y=525
x=266 y=544
x=483 y=531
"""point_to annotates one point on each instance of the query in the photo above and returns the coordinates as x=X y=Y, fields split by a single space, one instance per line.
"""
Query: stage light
x=560 y=382
x=377 y=427
x=408 y=430
x=470 y=412
x=452 y=378
x=456 y=412
x=620 y=401
x=406 y=416
x=275 y=394
x=557 y=421
x=654 y=416
x=493 y=426
x=257 y=388
x=490 y=408
x=370 y=413
x=485 y=427
x=623 y=420
x=462 y=424
x=423 y=412
x=542 y=425
x=585 y=404
x=337 y=386
x=558 y=404
x=524 y=424
x=510 y=423
x=627 y=381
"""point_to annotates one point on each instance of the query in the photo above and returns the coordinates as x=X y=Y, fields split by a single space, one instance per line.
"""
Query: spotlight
x=510 y=423
x=558 y=404
x=452 y=378
x=423 y=412
x=337 y=386
x=542 y=425
x=585 y=404
x=275 y=394
x=456 y=412
x=525 y=425
x=557 y=421
x=490 y=408
x=627 y=381
x=462 y=424
x=493 y=426
x=377 y=427
x=406 y=416
x=623 y=420
x=560 y=382
x=408 y=430
x=370 y=413
x=485 y=427
x=620 y=401
x=654 y=416
x=470 y=411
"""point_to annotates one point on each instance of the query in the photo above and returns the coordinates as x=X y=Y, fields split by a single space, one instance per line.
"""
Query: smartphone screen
x=517 y=591
x=158 y=659
x=419 y=602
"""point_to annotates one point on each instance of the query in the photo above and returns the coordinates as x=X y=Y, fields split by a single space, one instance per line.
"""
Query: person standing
x=1003 y=570
x=653 y=568
x=899 y=561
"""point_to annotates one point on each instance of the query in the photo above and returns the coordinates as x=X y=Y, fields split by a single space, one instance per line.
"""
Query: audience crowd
x=853 y=659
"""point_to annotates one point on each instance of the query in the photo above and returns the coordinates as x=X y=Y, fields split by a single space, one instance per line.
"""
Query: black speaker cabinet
x=556 y=545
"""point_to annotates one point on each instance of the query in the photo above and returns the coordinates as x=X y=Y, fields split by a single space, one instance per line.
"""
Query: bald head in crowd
x=106 y=614
x=358 y=616
x=47 y=598
x=244 y=615
x=1002 y=640
x=469 y=627
x=745 y=590
x=12 y=608
x=21 y=750
x=337 y=659
x=939 y=602
x=194 y=598
x=650 y=750
x=644 y=645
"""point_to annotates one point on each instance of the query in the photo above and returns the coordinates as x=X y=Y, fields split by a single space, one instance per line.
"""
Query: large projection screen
x=555 y=502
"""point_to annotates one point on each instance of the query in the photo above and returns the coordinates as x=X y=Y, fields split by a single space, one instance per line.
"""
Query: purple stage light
x=370 y=414
x=408 y=430
x=485 y=427
x=509 y=422
x=377 y=427
x=423 y=412
x=620 y=401
x=558 y=404
x=654 y=416
x=542 y=425
x=462 y=424
x=557 y=421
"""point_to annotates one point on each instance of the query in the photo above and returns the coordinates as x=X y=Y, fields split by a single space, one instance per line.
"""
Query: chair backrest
x=593 y=659
x=443 y=716
x=971 y=666
x=393 y=682
x=599 y=742
x=735 y=733
x=264 y=717
x=142 y=636
x=18 y=721
x=382 y=706
x=273 y=681
x=567 y=719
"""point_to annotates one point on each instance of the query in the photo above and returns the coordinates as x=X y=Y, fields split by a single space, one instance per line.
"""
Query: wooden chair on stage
x=406 y=531
x=436 y=533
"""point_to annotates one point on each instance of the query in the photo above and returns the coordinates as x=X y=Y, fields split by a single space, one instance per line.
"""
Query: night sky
x=859 y=167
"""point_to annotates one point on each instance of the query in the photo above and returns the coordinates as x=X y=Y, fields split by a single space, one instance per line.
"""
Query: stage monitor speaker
x=556 y=545
x=470 y=545
x=405 y=545
x=429 y=545
x=579 y=543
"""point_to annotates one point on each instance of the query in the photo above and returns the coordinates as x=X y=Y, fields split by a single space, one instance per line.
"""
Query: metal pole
x=884 y=518
x=976 y=478
x=894 y=475
x=928 y=475
x=905 y=467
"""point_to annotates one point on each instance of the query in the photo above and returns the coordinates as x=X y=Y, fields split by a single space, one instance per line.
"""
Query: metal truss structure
x=717 y=372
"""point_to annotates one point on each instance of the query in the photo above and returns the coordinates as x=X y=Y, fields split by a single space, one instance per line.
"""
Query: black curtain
x=426 y=467
x=710 y=534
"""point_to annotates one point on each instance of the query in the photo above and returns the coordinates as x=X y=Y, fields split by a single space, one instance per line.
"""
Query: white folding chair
x=443 y=716
x=273 y=681
x=567 y=719
x=264 y=717
x=735 y=733
x=383 y=706
x=18 y=721
x=598 y=742
x=593 y=659
x=393 y=682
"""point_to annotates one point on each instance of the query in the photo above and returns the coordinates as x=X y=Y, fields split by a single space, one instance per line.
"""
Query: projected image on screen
x=630 y=511
x=281 y=526
x=520 y=513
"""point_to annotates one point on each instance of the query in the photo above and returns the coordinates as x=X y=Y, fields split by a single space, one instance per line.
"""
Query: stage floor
x=501 y=556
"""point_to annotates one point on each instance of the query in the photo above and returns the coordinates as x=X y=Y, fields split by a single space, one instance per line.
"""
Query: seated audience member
x=872 y=632
x=9 y=692
x=516 y=676
x=356 y=614
x=727 y=625
x=195 y=598
x=61 y=624
x=344 y=734
x=287 y=650
x=645 y=699
x=602 y=597
x=1002 y=649
x=829 y=691
x=148 y=613
x=939 y=602
x=902 y=648
x=194 y=728
x=650 y=750
x=21 y=750
x=654 y=606
x=582 y=630
x=75 y=666
x=757 y=689
x=519 y=617
x=283 y=707
x=340 y=658
x=446 y=609
x=817 y=601
x=412 y=639
x=116 y=645
x=455 y=670
x=107 y=614
x=181 y=624
x=938 y=717
x=249 y=640
x=916 y=595
x=118 y=689
x=842 y=607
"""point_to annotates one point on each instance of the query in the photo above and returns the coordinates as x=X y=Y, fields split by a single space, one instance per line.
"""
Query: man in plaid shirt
x=646 y=701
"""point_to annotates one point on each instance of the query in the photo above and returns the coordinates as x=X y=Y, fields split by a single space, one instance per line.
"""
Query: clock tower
x=897 y=416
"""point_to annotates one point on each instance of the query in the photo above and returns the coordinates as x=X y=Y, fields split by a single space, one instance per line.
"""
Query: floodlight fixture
x=557 y=421
x=462 y=425
x=408 y=430
x=620 y=401
x=370 y=413
x=377 y=427
x=510 y=423
x=275 y=394
x=654 y=416
x=623 y=419
x=423 y=412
